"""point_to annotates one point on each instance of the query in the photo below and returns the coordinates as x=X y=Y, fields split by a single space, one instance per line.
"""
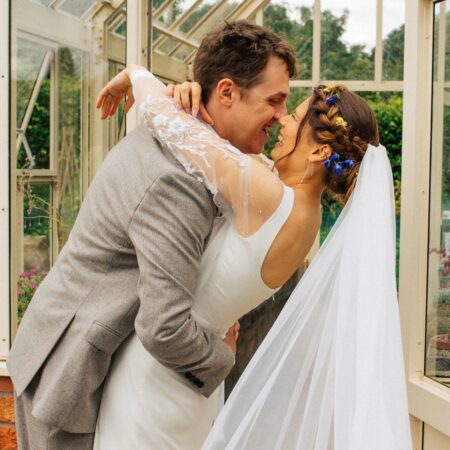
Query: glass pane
x=37 y=206
x=116 y=124
x=168 y=46
x=195 y=16
x=44 y=2
x=348 y=38
x=69 y=146
x=30 y=57
x=157 y=3
x=293 y=20
x=76 y=7
x=437 y=363
x=183 y=52
x=56 y=78
x=213 y=13
x=174 y=12
x=33 y=104
x=393 y=39
x=193 y=24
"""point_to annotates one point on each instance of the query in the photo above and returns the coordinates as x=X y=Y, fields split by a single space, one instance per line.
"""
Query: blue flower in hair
x=337 y=169
x=331 y=100
x=335 y=157
x=334 y=162
x=348 y=163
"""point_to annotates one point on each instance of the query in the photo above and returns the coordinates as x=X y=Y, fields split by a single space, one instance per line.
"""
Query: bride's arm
x=245 y=183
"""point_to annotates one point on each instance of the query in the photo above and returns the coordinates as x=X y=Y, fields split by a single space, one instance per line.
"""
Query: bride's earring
x=307 y=170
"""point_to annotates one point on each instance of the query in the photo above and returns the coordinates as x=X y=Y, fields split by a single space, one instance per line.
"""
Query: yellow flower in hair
x=329 y=89
x=340 y=122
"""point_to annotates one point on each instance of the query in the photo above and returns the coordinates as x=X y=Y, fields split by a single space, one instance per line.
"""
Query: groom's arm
x=168 y=230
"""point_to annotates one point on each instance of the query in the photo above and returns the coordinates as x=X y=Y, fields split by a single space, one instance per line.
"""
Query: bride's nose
x=279 y=116
x=282 y=121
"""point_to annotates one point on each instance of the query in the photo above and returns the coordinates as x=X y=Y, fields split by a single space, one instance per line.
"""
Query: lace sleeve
x=244 y=183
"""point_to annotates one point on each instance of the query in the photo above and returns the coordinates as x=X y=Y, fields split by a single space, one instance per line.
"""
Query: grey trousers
x=32 y=434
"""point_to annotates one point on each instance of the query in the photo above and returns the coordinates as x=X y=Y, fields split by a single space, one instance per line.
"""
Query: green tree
x=393 y=54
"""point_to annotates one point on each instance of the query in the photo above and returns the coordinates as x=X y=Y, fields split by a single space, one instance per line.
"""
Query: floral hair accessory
x=340 y=122
x=337 y=169
x=334 y=162
x=335 y=157
x=331 y=100
x=329 y=89
x=348 y=163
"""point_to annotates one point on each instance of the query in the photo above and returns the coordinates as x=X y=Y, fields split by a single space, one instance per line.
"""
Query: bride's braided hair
x=344 y=121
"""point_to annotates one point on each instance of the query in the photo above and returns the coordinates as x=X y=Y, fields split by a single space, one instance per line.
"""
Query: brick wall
x=7 y=431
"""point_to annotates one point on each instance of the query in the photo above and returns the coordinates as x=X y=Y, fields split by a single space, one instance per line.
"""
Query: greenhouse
x=57 y=55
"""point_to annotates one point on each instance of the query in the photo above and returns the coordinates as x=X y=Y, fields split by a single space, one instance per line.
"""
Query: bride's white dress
x=144 y=404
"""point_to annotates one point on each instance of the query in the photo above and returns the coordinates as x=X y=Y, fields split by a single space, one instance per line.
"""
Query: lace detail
x=242 y=185
x=172 y=130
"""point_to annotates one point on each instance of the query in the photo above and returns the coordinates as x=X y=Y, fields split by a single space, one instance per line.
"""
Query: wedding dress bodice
x=230 y=283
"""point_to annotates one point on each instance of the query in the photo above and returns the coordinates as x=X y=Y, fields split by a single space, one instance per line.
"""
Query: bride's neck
x=311 y=188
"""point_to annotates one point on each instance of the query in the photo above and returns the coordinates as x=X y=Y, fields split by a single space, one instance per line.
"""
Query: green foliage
x=38 y=131
x=393 y=54
x=338 y=60
x=192 y=20
x=298 y=33
x=388 y=109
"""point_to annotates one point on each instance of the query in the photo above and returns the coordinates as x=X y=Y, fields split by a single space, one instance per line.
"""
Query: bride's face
x=288 y=133
x=292 y=159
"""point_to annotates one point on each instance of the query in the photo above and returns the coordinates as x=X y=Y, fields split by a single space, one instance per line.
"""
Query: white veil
x=330 y=374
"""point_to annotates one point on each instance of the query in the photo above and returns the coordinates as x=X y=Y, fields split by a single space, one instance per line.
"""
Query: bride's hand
x=232 y=336
x=112 y=94
x=188 y=96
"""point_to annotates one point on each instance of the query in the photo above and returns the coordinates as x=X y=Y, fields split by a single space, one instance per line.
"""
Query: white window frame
x=429 y=401
x=5 y=282
x=375 y=84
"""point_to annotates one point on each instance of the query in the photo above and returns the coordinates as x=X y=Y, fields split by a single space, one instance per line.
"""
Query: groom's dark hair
x=239 y=50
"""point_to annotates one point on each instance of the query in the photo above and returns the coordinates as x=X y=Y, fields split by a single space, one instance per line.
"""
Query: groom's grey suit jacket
x=131 y=262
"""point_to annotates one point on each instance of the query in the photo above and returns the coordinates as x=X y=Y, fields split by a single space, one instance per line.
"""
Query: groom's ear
x=227 y=91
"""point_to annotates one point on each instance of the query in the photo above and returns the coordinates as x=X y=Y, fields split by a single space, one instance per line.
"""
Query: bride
x=329 y=374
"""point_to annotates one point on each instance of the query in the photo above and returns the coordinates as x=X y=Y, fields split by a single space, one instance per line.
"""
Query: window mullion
x=316 y=44
x=379 y=44
x=5 y=188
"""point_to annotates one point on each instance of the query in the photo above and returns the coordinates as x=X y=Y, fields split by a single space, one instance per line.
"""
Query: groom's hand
x=231 y=337
x=188 y=96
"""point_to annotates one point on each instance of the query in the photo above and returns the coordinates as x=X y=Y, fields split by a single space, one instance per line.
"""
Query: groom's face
x=259 y=107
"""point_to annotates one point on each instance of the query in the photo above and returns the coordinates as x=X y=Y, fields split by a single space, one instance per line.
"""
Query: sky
x=361 y=25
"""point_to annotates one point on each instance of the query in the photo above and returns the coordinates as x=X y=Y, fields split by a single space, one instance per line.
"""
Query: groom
x=132 y=259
